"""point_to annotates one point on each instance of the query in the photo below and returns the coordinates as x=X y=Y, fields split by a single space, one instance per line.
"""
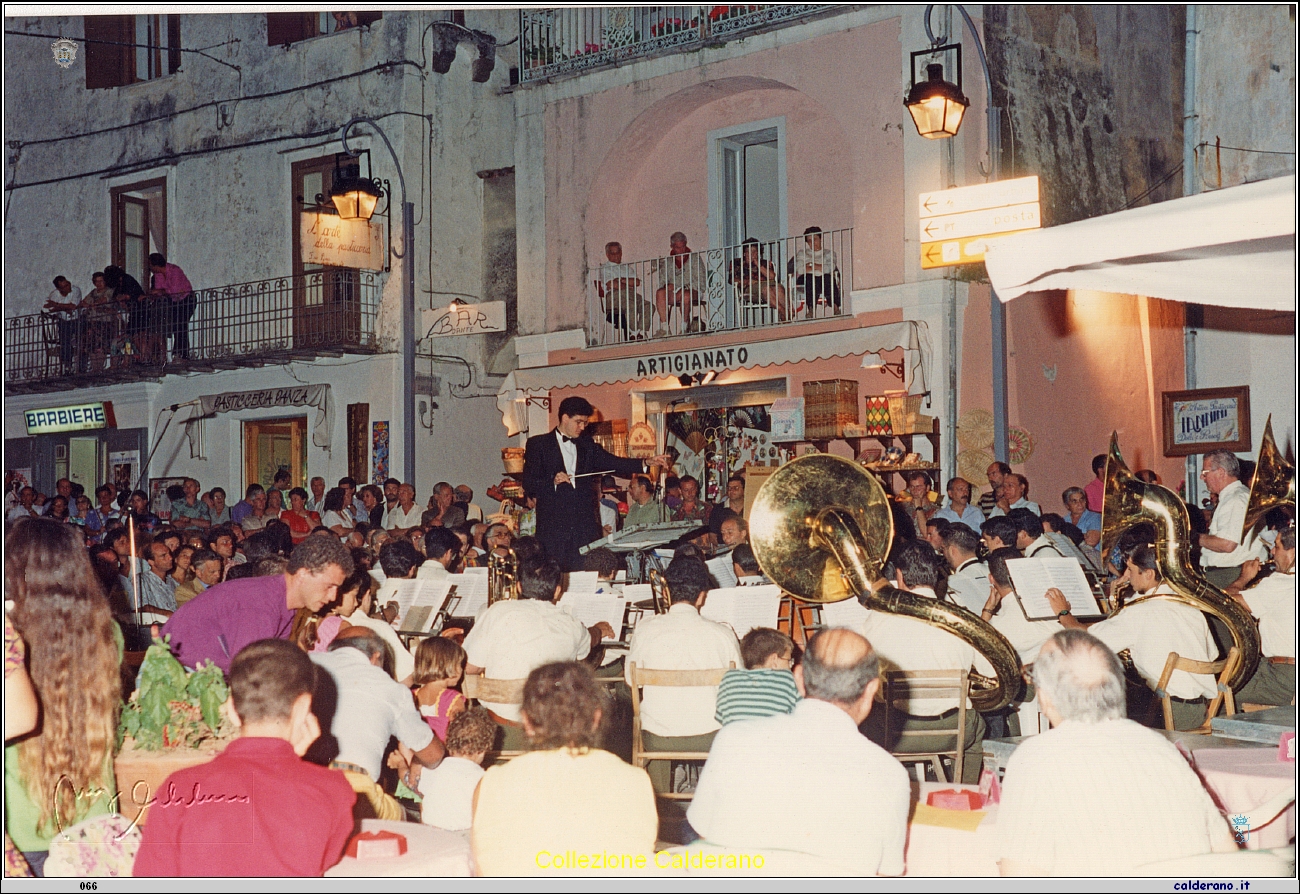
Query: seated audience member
x=442 y=508
x=274 y=814
x=909 y=644
x=619 y=289
x=745 y=564
x=514 y=636
x=336 y=515
x=968 y=584
x=1014 y=490
x=1004 y=612
x=1030 y=539
x=406 y=513
x=368 y=708
x=854 y=813
x=207 y=573
x=442 y=549
x=244 y=508
x=567 y=794
x=959 y=509
x=1064 y=789
x=680 y=718
x=918 y=499
x=815 y=271
x=765 y=686
x=221 y=620
x=465 y=501
x=1272 y=602
x=1083 y=518
x=439 y=667
x=997 y=532
x=1152 y=628
x=157 y=589
x=448 y=789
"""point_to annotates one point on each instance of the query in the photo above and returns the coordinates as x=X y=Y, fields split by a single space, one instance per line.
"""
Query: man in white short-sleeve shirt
x=1098 y=794
x=514 y=637
x=1222 y=550
x=855 y=815
x=1272 y=601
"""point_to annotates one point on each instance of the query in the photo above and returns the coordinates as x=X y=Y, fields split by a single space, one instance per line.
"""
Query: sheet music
x=637 y=592
x=1065 y=546
x=473 y=591
x=1034 y=577
x=583 y=582
x=846 y=613
x=743 y=608
x=418 y=594
x=592 y=608
x=722 y=570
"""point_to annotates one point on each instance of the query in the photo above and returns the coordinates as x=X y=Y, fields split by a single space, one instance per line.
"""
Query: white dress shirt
x=1022 y=503
x=432 y=569
x=404 y=661
x=969 y=585
x=1025 y=635
x=397 y=517
x=854 y=813
x=681 y=640
x=514 y=637
x=568 y=450
x=1272 y=601
x=907 y=644
x=372 y=708
x=1091 y=799
x=1042 y=547
x=1150 y=630
x=1227 y=522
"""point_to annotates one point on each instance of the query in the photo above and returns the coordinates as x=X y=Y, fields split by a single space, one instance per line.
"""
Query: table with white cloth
x=944 y=842
x=1244 y=779
x=429 y=852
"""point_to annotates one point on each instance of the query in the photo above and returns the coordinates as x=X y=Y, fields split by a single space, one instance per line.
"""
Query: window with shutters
x=284 y=28
x=122 y=50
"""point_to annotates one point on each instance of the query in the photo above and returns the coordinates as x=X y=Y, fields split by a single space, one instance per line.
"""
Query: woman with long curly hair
x=63 y=772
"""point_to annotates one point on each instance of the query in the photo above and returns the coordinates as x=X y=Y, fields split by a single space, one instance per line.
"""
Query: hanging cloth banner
x=317 y=396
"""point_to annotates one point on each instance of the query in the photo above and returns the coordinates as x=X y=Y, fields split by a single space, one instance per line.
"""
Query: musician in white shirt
x=1272 y=601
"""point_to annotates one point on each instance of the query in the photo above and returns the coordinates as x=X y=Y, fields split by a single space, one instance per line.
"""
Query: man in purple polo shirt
x=223 y=619
x=172 y=285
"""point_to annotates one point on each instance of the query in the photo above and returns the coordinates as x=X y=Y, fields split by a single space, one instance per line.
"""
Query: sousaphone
x=1129 y=501
x=1273 y=484
x=821 y=528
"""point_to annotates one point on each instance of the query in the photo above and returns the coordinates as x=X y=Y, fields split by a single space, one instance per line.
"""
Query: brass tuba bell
x=1273 y=484
x=821 y=527
x=1129 y=501
x=503 y=575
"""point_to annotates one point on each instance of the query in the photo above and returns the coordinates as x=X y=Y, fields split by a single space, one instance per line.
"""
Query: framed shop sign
x=1207 y=419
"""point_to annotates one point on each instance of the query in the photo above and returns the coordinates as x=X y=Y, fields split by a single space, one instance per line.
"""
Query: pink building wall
x=631 y=163
x=1080 y=365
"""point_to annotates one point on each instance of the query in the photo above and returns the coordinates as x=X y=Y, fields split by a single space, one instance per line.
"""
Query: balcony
x=327 y=313
x=734 y=288
x=563 y=42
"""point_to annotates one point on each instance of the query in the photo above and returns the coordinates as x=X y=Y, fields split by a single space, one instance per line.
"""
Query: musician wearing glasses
x=1222 y=552
x=561 y=469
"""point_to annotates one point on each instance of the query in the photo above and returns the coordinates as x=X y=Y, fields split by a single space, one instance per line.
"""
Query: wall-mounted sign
x=465 y=319
x=1207 y=419
x=730 y=357
x=955 y=224
x=76 y=417
x=329 y=239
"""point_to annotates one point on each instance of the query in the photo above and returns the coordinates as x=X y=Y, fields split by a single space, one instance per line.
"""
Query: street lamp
x=925 y=92
x=356 y=197
x=936 y=105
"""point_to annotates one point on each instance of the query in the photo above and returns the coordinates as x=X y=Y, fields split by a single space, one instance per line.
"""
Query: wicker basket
x=905 y=413
x=513 y=457
x=829 y=406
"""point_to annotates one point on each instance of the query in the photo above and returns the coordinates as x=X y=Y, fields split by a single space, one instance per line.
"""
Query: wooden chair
x=799 y=621
x=501 y=692
x=1225 y=669
x=644 y=677
x=932 y=684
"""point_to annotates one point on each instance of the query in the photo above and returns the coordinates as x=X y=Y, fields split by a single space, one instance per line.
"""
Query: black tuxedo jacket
x=568 y=516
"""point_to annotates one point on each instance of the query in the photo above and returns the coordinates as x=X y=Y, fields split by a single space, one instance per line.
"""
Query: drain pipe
x=1191 y=186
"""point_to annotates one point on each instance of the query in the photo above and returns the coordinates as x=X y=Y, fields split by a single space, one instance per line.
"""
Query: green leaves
x=171 y=708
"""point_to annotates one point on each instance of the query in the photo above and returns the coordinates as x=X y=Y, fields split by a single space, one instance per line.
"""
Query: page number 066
x=90 y=886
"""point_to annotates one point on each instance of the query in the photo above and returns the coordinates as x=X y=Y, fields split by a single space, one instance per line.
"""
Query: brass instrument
x=503 y=575
x=1129 y=501
x=1273 y=484
x=659 y=592
x=821 y=528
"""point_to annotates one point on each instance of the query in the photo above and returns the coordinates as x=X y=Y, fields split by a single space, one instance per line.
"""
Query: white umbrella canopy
x=1232 y=247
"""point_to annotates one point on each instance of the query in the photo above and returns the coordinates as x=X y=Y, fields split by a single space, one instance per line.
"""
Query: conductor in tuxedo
x=568 y=516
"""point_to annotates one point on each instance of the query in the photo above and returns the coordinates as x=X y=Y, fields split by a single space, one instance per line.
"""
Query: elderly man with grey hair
x=1223 y=551
x=1098 y=794
x=855 y=819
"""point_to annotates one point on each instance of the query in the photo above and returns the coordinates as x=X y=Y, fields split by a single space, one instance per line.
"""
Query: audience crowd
x=338 y=717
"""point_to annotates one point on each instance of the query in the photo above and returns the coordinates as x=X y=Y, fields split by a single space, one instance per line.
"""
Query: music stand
x=639 y=540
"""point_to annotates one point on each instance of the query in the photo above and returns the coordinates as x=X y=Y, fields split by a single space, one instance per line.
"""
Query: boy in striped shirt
x=766 y=686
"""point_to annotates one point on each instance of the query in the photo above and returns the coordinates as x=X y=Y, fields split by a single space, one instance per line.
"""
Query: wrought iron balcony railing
x=557 y=42
x=329 y=312
x=736 y=287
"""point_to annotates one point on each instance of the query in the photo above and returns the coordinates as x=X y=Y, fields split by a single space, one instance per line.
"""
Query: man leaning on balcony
x=682 y=277
x=170 y=281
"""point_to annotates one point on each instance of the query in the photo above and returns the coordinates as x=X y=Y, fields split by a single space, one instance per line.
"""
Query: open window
x=284 y=28
x=326 y=299
x=139 y=226
x=123 y=50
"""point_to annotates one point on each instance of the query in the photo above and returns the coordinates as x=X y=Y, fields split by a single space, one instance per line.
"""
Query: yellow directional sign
x=951 y=252
x=954 y=223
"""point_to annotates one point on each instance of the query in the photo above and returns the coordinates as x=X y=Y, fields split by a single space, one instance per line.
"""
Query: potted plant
x=174 y=719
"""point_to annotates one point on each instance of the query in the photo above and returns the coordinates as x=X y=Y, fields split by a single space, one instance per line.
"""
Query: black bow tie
x=568 y=440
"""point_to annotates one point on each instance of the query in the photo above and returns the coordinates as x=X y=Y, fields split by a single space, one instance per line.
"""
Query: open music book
x=722 y=569
x=418 y=602
x=1034 y=577
x=743 y=608
x=592 y=608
